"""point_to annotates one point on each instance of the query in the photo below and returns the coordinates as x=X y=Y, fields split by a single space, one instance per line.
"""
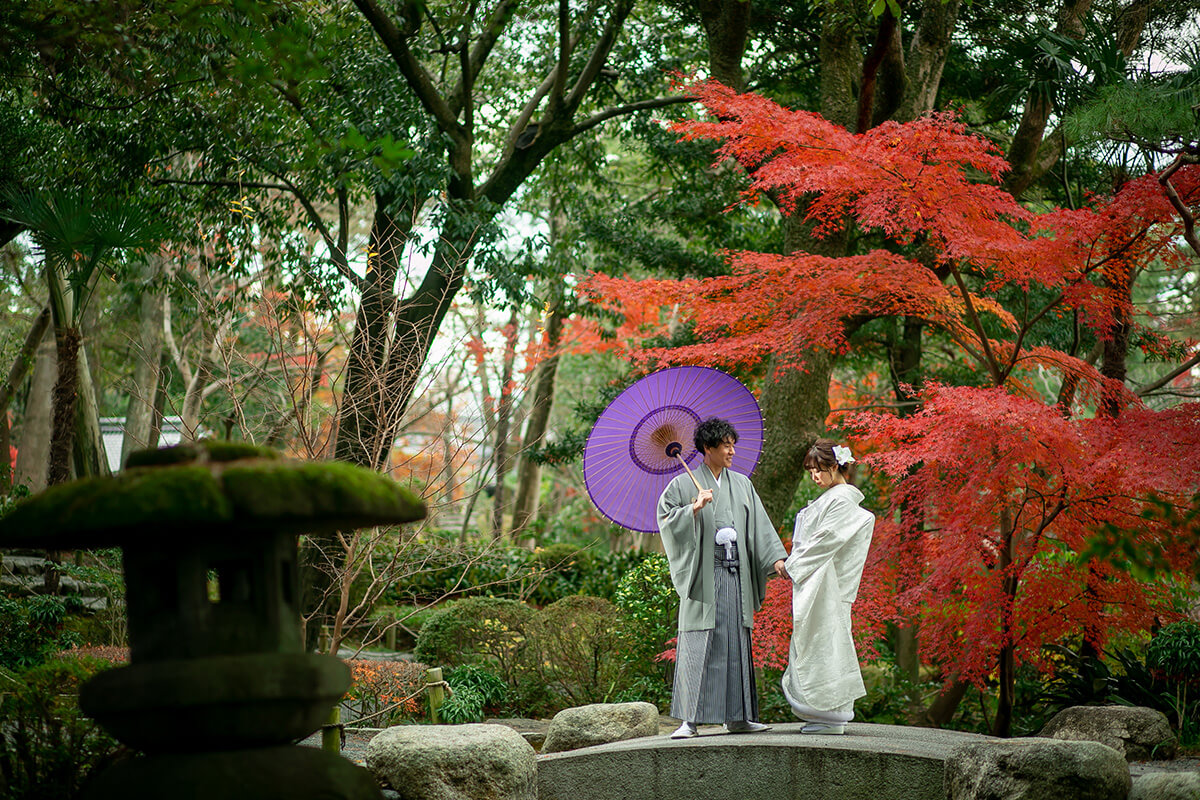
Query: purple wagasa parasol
x=644 y=439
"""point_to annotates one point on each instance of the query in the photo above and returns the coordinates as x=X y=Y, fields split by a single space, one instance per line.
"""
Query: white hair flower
x=842 y=454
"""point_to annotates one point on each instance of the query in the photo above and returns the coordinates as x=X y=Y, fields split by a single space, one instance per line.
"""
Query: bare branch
x=1185 y=213
x=599 y=54
x=414 y=74
x=630 y=108
x=1170 y=376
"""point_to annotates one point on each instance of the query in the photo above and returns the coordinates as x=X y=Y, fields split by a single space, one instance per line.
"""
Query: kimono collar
x=716 y=478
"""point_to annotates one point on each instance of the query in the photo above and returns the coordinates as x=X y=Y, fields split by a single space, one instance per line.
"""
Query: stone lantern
x=218 y=687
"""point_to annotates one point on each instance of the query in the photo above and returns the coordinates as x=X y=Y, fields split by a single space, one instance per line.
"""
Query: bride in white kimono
x=829 y=550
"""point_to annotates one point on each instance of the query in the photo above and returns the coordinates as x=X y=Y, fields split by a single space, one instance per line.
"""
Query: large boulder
x=1139 y=734
x=1166 y=786
x=454 y=762
x=600 y=723
x=1036 y=769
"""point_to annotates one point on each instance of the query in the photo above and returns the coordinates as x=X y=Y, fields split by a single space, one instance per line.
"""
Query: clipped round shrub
x=576 y=648
x=475 y=630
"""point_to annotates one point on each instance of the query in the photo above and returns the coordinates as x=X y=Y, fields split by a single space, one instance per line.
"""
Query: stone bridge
x=870 y=762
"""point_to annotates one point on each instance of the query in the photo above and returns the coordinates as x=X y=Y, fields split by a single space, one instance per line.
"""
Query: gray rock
x=600 y=723
x=1166 y=786
x=1139 y=734
x=454 y=762
x=534 y=730
x=1036 y=769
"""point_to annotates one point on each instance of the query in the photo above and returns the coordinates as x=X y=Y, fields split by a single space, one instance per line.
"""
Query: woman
x=829 y=549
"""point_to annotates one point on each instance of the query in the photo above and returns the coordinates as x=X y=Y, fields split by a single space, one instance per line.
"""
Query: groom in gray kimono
x=722 y=549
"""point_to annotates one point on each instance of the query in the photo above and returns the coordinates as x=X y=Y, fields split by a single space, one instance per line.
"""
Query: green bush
x=476 y=630
x=33 y=628
x=48 y=748
x=452 y=569
x=576 y=648
x=441 y=569
x=649 y=609
x=1174 y=657
x=474 y=691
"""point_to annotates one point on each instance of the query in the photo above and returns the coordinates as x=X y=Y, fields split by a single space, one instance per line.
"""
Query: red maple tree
x=995 y=489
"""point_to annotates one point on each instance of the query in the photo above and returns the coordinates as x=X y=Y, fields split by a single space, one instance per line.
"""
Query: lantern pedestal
x=218 y=685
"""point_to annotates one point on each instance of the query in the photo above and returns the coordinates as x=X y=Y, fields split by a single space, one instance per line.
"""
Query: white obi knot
x=727 y=536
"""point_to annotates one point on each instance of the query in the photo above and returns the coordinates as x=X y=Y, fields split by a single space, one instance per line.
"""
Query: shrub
x=441 y=569
x=649 y=607
x=384 y=693
x=476 y=630
x=576 y=648
x=48 y=748
x=1174 y=657
x=474 y=691
x=33 y=628
x=557 y=571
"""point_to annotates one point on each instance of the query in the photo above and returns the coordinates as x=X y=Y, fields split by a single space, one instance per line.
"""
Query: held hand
x=704 y=498
x=781 y=569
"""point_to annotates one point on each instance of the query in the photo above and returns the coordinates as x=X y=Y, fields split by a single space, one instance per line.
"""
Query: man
x=722 y=548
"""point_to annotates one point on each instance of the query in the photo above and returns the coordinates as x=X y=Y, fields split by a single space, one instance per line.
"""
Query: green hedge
x=540 y=577
x=48 y=749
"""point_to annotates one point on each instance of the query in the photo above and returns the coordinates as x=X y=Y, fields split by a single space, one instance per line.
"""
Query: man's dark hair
x=712 y=432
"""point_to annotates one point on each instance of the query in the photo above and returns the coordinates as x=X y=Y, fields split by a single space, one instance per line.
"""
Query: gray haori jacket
x=689 y=541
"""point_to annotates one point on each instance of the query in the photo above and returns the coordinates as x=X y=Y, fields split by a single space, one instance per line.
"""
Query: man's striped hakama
x=708 y=662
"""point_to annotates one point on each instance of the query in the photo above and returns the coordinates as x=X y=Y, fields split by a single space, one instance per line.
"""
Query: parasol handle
x=674 y=449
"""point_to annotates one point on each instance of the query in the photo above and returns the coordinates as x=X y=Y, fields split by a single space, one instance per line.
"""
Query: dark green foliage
x=474 y=691
x=1174 y=652
x=576 y=649
x=32 y=629
x=541 y=577
x=649 y=606
x=1160 y=679
x=487 y=630
x=456 y=570
x=1174 y=658
x=48 y=748
x=568 y=570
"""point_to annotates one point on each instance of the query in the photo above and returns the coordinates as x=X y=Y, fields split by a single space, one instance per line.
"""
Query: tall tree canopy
x=997 y=486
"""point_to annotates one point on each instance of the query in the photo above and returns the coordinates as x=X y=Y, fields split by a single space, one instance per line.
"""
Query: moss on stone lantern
x=208 y=534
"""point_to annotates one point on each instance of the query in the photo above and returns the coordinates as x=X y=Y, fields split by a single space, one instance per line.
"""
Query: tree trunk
x=139 y=419
x=926 y=57
x=1116 y=345
x=529 y=473
x=62 y=437
x=795 y=404
x=90 y=457
x=160 y=402
x=941 y=710
x=501 y=462
x=33 y=450
x=877 y=102
x=841 y=62
x=726 y=25
x=359 y=417
x=22 y=364
x=1007 y=675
